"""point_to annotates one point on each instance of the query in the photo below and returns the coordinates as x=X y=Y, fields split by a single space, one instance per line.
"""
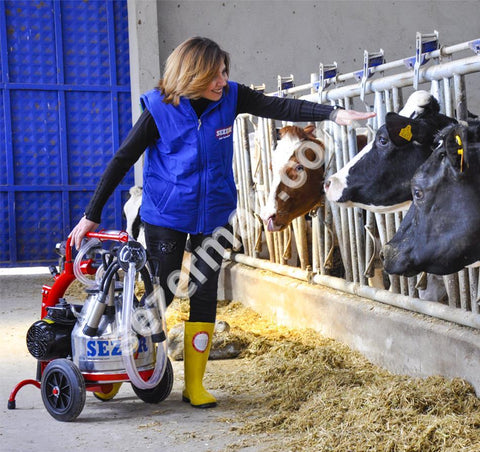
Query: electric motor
x=50 y=337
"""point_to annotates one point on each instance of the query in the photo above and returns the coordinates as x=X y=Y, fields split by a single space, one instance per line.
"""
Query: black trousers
x=166 y=247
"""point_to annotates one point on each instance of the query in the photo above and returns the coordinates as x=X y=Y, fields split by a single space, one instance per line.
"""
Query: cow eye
x=383 y=140
x=417 y=193
x=299 y=167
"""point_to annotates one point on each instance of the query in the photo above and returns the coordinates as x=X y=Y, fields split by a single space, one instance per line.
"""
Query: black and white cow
x=440 y=233
x=378 y=177
x=131 y=210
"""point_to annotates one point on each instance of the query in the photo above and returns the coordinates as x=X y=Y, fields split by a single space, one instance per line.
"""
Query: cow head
x=378 y=177
x=297 y=166
x=441 y=229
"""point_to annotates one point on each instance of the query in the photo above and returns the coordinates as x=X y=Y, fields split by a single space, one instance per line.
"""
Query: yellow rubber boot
x=197 y=343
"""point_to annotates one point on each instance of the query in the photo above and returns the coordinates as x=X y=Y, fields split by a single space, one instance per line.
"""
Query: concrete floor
x=398 y=340
x=124 y=423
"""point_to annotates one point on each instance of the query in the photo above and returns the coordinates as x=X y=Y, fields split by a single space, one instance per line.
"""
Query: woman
x=186 y=129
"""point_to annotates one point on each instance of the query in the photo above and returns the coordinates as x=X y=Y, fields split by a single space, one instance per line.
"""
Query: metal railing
x=314 y=244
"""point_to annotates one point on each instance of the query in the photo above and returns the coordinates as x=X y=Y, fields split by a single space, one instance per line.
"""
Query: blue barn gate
x=64 y=109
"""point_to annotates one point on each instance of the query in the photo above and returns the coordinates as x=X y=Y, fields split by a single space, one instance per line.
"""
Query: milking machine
x=113 y=337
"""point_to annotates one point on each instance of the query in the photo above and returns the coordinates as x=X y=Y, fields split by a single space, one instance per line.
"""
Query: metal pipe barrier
x=339 y=241
x=429 y=308
x=426 y=307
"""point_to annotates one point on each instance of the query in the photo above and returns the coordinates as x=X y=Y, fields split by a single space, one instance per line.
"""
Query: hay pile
x=310 y=393
x=314 y=394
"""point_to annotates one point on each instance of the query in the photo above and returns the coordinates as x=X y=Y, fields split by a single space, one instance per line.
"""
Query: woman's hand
x=347 y=117
x=80 y=230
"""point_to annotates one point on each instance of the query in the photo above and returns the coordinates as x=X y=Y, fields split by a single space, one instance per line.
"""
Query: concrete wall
x=269 y=38
x=145 y=63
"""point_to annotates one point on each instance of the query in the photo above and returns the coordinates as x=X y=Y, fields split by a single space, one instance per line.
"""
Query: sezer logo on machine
x=106 y=348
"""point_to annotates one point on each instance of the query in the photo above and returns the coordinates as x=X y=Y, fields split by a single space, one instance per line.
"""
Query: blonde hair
x=190 y=68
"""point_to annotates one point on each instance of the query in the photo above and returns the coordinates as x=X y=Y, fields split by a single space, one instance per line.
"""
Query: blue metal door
x=64 y=108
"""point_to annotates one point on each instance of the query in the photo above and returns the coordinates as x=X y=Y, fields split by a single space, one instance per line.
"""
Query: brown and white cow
x=298 y=175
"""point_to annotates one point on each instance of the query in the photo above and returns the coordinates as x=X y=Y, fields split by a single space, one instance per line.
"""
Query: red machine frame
x=50 y=297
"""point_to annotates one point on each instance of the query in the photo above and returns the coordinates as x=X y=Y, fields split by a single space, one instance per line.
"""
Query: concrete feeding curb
x=399 y=340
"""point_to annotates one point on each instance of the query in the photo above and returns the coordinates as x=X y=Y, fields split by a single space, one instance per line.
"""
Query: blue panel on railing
x=64 y=109
x=31 y=42
x=4 y=228
x=38 y=225
x=121 y=45
x=86 y=43
x=3 y=46
x=35 y=132
x=78 y=203
x=89 y=135
x=3 y=155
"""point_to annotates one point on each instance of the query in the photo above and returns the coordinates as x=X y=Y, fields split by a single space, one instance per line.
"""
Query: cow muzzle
x=333 y=189
x=396 y=263
x=273 y=225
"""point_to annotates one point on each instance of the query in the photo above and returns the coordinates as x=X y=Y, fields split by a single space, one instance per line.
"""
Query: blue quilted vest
x=188 y=180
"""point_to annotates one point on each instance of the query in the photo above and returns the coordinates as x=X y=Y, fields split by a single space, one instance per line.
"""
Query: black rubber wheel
x=159 y=392
x=63 y=390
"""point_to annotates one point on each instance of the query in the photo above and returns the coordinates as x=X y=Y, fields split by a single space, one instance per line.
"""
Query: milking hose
x=126 y=334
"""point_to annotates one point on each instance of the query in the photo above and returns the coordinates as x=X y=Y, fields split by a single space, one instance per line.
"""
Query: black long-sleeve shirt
x=145 y=132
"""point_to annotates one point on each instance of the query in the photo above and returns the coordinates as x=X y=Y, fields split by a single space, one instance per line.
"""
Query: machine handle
x=118 y=236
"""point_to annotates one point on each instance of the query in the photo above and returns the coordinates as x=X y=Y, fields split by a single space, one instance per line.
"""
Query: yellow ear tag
x=406 y=133
x=460 y=151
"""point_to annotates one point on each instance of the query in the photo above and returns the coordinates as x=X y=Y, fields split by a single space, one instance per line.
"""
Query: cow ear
x=282 y=132
x=457 y=149
x=402 y=130
x=310 y=130
x=461 y=145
